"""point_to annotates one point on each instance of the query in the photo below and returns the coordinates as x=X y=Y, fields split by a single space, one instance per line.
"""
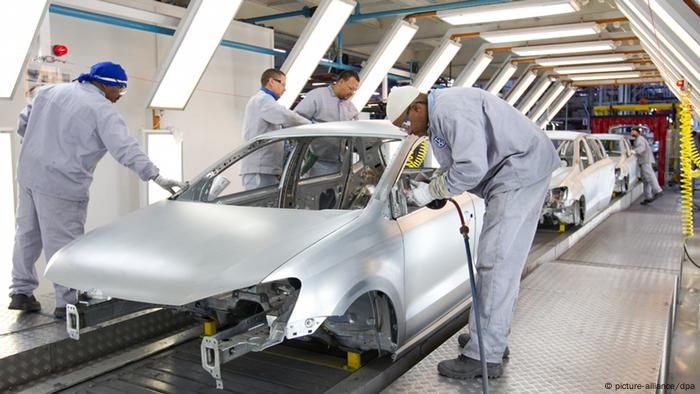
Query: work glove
x=420 y=194
x=168 y=184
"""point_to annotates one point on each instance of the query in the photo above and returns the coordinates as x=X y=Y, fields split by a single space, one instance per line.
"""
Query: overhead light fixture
x=601 y=68
x=501 y=78
x=472 y=72
x=557 y=106
x=537 y=92
x=520 y=87
x=195 y=42
x=590 y=59
x=619 y=75
x=382 y=59
x=436 y=64
x=546 y=101
x=603 y=82
x=573 y=47
x=508 y=11
x=318 y=35
x=677 y=21
x=19 y=23
x=541 y=33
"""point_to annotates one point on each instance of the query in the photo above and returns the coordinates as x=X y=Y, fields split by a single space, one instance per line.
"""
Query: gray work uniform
x=645 y=159
x=322 y=105
x=264 y=114
x=492 y=150
x=65 y=132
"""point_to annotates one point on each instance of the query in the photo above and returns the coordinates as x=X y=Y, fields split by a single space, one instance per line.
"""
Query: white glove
x=420 y=194
x=168 y=184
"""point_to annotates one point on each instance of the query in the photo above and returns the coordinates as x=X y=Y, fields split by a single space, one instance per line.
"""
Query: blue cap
x=107 y=73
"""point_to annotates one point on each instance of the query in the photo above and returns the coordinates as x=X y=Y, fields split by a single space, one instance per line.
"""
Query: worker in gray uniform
x=329 y=104
x=264 y=114
x=645 y=159
x=66 y=130
x=490 y=149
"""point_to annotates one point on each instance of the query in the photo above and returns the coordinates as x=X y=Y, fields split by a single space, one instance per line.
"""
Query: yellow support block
x=562 y=227
x=354 y=360
x=210 y=327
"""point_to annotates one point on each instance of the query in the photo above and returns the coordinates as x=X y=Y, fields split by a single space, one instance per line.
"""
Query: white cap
x=399 y=99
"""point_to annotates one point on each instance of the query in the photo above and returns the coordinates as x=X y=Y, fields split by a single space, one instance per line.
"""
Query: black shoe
x=657 y=195
x=462 y=339
x=23 y=302
x=464 y=367
x=60 y=313
x=646 y=201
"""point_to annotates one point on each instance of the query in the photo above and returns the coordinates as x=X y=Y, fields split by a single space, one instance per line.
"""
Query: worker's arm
x=307 y=107
x=275 y=113
x=639 y=146
x=114 y=134
x=23 y=120
x=465 y=135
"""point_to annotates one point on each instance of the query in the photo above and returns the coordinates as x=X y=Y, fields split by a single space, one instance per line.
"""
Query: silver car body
x=620 y=151
x=584 y=183
x=203 y=254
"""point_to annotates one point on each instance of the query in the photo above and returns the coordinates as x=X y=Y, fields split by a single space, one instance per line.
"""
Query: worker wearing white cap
x=490 y=149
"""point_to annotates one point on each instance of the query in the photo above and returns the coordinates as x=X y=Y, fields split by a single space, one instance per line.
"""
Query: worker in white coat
x=66 y=130
x=264 y=114
x=490 y=149
x=329 y=104
x=645 y=159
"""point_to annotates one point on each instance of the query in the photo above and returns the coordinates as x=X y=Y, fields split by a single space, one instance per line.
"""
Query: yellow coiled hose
x=689 y=157
x=416 y=158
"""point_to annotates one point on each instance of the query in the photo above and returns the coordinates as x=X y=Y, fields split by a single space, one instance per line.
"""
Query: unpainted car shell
x=177 y=252
x=588 y=189
x=625 y=164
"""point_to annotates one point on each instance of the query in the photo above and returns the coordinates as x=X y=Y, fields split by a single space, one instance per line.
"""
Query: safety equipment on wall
x=399 y=99
x=417 y=157
x=107 y=73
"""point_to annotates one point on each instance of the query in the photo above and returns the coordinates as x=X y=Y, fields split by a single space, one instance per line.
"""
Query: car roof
x=564 y=134
x=602 y=136
x=357 y=128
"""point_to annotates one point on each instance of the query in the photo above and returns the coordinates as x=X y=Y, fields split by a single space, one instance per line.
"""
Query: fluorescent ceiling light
x=573 y=47
x=382 y=59
x=676 y=20
x=535 y=94
x=196 y=40
x=546 y=101
x=541 y=33
x=472 y=72
x=518 y=90
x=319 y=33
x=621 y=82
x=502 y=78
x=600 y=68
x=508 y=11
x=620 y=75
x=436 y=64
x=558 y=61
x=557 y=106
x=19 y=23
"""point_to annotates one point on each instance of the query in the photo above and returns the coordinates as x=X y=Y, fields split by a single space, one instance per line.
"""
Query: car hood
x=559 y=175
x=173 y=253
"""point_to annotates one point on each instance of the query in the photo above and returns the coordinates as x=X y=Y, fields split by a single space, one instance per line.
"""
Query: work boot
x=59 y=313
x=646 y=201
x=23 y=302
x=657 y=195
x=462 y=339
x=464 y=367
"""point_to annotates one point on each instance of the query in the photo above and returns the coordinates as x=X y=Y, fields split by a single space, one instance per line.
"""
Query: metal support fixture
x=306 y=12
x=83 y=315
x=339 y=48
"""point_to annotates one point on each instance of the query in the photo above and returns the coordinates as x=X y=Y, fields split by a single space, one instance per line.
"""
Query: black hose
x=685 y=249
x=464 y=230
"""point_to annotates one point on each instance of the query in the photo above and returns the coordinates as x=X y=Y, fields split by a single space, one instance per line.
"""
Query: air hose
x=416 y=158
x=464 y=230
x=689 y=157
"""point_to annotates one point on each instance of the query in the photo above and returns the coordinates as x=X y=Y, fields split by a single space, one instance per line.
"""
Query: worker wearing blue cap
x=65 y=132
